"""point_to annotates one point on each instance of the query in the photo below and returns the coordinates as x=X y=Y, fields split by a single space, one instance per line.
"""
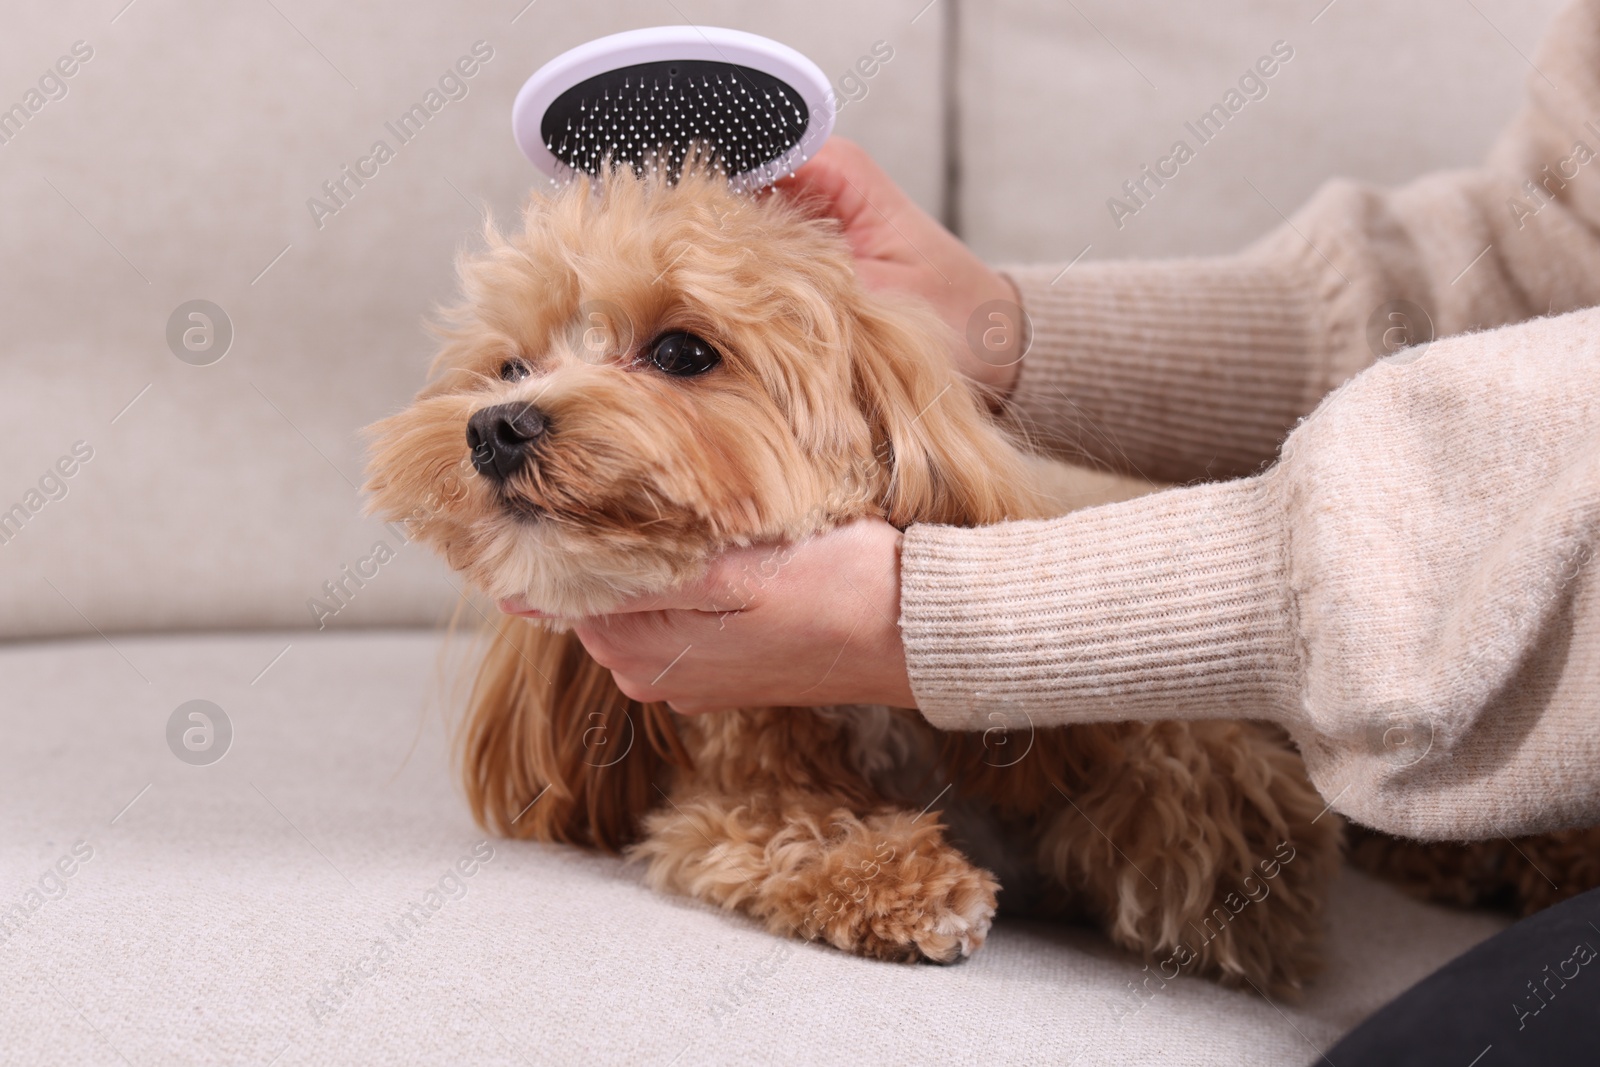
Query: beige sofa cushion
x=1064 y=102
x=178 y=166
x=179 y=162
x=256 y=907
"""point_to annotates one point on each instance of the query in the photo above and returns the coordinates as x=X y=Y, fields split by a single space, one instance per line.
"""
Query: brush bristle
x=651 y=115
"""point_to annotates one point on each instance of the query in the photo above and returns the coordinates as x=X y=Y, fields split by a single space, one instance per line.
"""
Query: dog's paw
x=931 y=904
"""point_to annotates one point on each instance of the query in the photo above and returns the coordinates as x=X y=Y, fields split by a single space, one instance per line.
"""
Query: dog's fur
x=1199 y=844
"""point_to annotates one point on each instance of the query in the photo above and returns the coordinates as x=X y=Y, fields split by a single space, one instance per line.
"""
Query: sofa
x=231 y=830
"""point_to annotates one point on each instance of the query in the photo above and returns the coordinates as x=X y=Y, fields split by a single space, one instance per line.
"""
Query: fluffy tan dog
x=649 y=373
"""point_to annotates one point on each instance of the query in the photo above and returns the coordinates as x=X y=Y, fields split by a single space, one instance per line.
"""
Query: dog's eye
x=683 y=355
x=513 y=370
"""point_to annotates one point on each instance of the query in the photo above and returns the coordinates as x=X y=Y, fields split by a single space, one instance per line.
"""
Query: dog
x=652 y=371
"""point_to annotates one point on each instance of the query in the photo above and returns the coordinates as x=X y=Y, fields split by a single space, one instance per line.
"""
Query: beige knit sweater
x=1412 y=588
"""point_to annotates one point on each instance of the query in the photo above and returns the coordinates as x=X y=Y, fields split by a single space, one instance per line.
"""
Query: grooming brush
x=644 y=97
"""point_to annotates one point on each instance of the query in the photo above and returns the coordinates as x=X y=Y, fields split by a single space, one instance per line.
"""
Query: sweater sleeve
x=1411 y=591
x=1197 y=368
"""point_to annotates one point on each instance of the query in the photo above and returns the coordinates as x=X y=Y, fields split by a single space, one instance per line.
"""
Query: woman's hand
x=900 y=247
x=814 y=623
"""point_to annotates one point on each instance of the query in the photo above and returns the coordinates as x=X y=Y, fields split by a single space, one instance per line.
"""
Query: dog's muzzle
x=501 y=437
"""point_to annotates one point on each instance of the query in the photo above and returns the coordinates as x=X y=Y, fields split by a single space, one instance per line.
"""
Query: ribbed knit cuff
x=1173 y=369
x=1170 y=606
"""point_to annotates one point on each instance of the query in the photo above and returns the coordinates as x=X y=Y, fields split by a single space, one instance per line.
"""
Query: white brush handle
x=666 y=44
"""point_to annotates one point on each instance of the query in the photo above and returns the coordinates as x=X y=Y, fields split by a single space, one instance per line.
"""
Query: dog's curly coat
x=1198 y=843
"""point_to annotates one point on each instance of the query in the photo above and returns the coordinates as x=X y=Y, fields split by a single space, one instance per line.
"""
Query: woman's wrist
x=1009 y=374
x=993 y=326
x=889 y=650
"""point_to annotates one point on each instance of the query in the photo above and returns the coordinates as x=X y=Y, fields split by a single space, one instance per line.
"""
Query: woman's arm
x=1412 y=590
x=1196 y=368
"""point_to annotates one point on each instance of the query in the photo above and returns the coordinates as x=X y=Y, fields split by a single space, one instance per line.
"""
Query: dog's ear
x=941 y=457
x=552 y=750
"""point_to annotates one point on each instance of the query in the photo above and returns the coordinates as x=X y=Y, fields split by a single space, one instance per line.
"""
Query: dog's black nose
x=501 y=437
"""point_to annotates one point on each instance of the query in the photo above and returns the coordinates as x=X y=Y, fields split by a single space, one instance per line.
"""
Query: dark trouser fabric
x=1528 y=995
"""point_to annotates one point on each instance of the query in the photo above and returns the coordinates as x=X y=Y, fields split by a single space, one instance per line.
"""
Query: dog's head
x=649 y=373
x=646 y=374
